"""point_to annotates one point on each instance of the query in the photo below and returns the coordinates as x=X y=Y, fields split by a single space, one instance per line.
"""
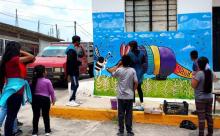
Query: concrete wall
x=108 y=6
x=216 y=3
x=43 y=44
x=194 y=32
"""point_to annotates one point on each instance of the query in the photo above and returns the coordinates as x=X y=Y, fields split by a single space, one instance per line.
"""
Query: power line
x=42 y=5
x=84 y=30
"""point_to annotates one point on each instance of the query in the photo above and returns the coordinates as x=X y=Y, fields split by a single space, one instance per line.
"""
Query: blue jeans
x=3 y=113
x=74 y=87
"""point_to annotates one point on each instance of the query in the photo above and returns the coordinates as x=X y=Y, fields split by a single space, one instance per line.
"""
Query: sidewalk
x=99 y=108
x=85 y=91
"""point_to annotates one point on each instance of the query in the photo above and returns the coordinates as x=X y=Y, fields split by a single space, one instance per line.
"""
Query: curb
x=111 y=115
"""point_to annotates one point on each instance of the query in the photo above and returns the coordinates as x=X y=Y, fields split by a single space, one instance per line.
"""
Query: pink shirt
x=44 y=87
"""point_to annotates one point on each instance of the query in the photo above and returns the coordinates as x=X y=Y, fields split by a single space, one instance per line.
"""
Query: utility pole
x=75 y=27
x=52 y=30
x=56 y=31
x=16 y=18
x=38 y=26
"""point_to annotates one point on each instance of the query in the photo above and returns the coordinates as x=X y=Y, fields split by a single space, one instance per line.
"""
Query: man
x=138 y=60
x=127 y=84
x=72 y=65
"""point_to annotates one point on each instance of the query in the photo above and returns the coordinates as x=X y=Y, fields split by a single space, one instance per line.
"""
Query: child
x=194 y=58
x=42 y=90
x=127 y=84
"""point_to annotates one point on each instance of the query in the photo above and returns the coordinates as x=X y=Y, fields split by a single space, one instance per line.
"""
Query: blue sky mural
x=194 y=32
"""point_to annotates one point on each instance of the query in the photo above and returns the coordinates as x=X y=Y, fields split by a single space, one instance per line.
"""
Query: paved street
x=62 y=127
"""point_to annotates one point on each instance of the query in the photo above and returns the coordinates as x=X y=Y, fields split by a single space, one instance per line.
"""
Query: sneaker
x=120 y=134
x=130 y=134
x=72 y=104
x=78 y=101
x=19 y=131
x=134 y=104
x=47 y=134
x=34 y=134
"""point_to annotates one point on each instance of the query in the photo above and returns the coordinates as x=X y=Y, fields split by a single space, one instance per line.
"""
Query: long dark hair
x=12 y=49
x=202 y=62
x=134 y=46
x=38 y=72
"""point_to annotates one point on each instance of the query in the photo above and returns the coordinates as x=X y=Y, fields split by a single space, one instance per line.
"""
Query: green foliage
x=170 y=88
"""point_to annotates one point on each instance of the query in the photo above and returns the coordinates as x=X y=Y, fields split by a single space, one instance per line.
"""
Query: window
x=150 y=15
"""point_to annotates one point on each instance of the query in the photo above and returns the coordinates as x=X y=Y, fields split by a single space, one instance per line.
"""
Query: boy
x=127 y=84
x=194 y=58
x=72 y=64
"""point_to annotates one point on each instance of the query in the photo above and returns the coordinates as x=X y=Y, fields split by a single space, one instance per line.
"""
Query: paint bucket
x=114 y=104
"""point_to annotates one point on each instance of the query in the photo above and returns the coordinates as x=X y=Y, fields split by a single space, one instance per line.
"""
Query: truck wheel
x=91 y=74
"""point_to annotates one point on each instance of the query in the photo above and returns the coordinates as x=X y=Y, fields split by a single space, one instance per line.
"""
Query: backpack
x=187 y=124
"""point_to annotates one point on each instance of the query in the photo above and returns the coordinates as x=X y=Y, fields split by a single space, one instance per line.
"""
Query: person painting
x=12 y=83
x=72 y=65
x=127 y=84
x=194 y=58
x=138 y=60
x=202 y=84
x=42 y=91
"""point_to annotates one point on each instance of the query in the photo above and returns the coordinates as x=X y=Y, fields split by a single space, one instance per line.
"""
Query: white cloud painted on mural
x=206 y=33
x=188 y=47
x=130 y=36
x=115 y=23
x=179 y=35
x=164 y=35
x=115 y=39
x=146 y=35
x=183 y=18
x=206 y=16
x=117 y=31
x=194 y=24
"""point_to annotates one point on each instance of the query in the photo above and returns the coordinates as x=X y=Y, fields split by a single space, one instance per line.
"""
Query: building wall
x=194 y=31
x=43 y=44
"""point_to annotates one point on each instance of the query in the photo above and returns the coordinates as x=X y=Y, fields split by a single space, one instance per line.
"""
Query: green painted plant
x=170 y=88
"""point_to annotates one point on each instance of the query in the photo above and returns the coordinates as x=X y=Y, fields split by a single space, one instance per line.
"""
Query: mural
x=167 y=53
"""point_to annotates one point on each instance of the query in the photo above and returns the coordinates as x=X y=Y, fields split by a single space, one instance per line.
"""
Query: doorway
x=216 y=39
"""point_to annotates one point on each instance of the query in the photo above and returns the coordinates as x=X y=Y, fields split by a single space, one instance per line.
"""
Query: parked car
x=53 y=58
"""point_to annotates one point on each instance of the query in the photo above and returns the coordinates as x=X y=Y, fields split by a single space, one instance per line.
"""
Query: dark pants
x=125 y=113
x=74 y=87
x=41 y=103
x=140 y=93
x=13 y=106
x=204 y=110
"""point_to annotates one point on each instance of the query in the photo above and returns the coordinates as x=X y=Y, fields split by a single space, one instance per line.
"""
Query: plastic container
x=114 y=104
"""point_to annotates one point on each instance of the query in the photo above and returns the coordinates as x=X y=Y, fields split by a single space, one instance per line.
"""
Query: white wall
x=43 y=44
x=108 y=5
x=216 y=3
x=194 y=6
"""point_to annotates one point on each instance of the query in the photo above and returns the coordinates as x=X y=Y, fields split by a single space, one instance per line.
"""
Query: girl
x=202 y=84
x=42 y=90
x=12 y=83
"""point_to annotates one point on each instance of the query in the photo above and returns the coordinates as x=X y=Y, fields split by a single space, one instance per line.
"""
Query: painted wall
x=194 y=32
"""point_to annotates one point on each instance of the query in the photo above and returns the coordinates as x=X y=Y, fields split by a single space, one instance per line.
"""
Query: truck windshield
x=53 y=52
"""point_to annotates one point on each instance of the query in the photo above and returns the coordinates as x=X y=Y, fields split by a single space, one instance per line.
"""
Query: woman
x=202 y=84
x=138 y=60
x=12 y=83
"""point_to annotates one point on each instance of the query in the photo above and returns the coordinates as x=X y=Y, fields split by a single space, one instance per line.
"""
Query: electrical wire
x=42 y=5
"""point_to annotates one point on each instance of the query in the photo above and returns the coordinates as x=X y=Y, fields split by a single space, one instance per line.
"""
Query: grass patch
x=170 y=88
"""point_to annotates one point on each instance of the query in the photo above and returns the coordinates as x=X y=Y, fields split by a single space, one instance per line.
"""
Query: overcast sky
x=50 y=12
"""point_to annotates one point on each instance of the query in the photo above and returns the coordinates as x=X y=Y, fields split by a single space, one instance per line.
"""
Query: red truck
x=53 y=58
